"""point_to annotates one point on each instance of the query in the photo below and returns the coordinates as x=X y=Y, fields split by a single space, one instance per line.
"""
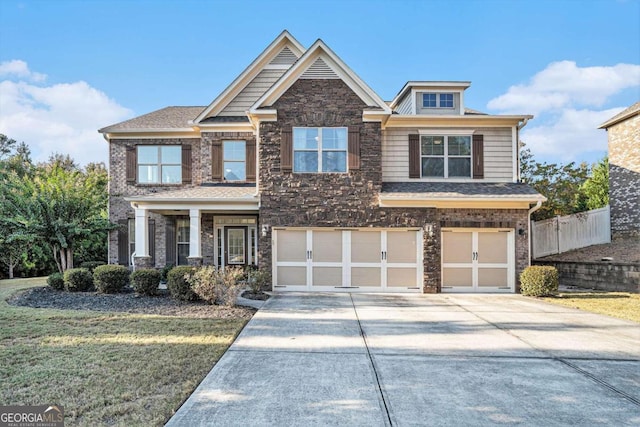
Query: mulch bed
x=127 y=302
x=260 y=296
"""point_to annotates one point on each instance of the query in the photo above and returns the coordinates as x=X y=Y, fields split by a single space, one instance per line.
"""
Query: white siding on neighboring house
x=404 y=106
x=250 y=94
x=498 y=153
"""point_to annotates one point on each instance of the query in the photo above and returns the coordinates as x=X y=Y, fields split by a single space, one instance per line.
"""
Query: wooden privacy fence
x=564 y=233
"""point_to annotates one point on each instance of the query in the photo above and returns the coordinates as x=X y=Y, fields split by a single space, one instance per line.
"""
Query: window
x=159 y=164
x=132 y=237
x=437 y=100
x=446 y=156
x=182 y=240
x=234 y=160
x=319 y=149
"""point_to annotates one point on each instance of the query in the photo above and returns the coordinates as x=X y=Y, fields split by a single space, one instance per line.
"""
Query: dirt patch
x=622 y=250
x=127 y=302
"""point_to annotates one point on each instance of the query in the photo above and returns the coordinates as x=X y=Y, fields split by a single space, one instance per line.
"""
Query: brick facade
x=351 y=199
x=624 y=177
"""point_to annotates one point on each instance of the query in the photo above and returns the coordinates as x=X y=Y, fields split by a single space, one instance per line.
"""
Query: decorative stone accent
x=624 y=177
x=142 y=262
x=194 y=261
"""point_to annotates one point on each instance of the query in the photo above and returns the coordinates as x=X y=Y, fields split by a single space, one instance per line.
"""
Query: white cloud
x=61 y=118
x=569 y=103
x=564 y=84
x=20 y=69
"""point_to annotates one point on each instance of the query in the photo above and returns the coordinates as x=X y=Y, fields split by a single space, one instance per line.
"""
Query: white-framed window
x=234 y=155
x=159 y=164
x=131 y=231
x=437 y=100
x=182 y=240
x=445 y=156
x=320 y=149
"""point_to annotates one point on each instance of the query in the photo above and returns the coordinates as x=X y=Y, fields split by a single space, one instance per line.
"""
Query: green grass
x=622 y=305
x=104 y=368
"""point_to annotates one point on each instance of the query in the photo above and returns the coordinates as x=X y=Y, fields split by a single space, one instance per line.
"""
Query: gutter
x=532 y=210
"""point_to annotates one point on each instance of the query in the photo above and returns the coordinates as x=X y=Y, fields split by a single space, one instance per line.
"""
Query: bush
x=78 y=280
x=258 y=280
x=165 y=271
x=217 y=285
x=177 y=283
x=91 y=265
x=56 y=281
x=539 y=280
x=145 y=281
x=110 y=279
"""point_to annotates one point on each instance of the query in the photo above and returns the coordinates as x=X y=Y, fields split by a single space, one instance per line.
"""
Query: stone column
x=195 y=248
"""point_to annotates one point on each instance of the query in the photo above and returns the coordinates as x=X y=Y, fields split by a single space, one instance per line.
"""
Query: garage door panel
x=452 y=277
x=292 y=246
x=292 y=276
x=327 y=276
x=366 y=276
x=401 y=247
x=401 y=277
x=366 y=246
x=492 y=248
x=457 y=247
x=327 y=246
x=493 y=277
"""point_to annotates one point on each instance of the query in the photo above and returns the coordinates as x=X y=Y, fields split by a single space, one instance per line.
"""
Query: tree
x=6 y=145
x=594 y=193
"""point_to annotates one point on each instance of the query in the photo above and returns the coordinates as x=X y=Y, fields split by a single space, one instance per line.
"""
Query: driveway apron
x=442 y=360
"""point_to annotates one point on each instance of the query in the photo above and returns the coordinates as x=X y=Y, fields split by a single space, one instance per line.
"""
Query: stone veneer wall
x=120 y=209
x=624 y=177
x=351 y=199
x=605 y=276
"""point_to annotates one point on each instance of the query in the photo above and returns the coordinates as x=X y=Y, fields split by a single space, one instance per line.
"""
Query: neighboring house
x=623 y=132
x=300 y=168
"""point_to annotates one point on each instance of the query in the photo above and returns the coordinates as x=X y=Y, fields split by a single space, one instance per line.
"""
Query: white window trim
x=159 y=164
x=438 y=93
x=446 y=156
x=320 y=150
x=224 y=160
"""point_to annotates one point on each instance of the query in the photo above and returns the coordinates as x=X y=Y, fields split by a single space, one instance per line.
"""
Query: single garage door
x=353 y=260
x=478 y=260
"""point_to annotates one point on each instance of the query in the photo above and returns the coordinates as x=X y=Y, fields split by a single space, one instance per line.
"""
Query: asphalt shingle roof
x=459 y=190
x=165 y=118
x=203 y=193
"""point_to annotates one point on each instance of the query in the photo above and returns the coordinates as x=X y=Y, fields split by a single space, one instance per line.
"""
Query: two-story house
x=300 y=168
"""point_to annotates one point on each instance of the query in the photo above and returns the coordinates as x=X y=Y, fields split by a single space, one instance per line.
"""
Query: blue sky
x=68 y=68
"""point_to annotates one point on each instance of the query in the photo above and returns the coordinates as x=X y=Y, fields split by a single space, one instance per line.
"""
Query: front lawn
x=622 y=305
x=104 y=367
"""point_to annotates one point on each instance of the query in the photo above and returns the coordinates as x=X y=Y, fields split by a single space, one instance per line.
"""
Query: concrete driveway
x=375 y=360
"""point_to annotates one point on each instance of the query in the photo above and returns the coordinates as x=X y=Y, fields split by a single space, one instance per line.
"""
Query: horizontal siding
x=250 y=94
x=404 y=107
x=497 y=154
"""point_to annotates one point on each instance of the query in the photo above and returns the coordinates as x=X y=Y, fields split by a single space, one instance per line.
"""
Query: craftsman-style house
x=301 y=168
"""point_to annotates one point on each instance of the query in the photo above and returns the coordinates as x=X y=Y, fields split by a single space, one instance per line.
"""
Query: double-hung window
x=182 y=240
x=445 y=156
x=234 y=160
x=131 y=230
x=320 y=149
x=159 y=164
x=437 y=100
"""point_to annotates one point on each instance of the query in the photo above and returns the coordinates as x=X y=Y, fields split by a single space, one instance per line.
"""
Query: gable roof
x=623 y=115
x=426 y=84
x=280 y=51
x=168 y=118
x=308 y=67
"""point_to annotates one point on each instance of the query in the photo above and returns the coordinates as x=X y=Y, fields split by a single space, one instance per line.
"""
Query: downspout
x=532 y=210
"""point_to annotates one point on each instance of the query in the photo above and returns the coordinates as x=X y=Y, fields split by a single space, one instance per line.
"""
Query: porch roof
x=203 y=195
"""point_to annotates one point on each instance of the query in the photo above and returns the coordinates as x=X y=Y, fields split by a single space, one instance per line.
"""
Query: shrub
x=145 y=281
x=78 y=280
x=539 y=280
x=177 y=283
x=91 y=265
x=217 y=285
x=110 y=279
x=56 y=281
x=164 y=272
x=258 y=280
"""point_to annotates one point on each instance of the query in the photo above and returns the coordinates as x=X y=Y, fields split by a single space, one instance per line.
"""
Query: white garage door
x=354 y=260
x=478 y=260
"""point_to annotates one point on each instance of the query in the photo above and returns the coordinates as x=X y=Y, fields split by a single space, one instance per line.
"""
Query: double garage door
x=365 y=260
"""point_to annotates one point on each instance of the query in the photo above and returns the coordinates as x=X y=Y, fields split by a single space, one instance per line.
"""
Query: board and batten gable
x=498 y=152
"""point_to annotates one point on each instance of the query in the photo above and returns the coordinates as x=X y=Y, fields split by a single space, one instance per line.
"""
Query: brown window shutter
x=251 y=160
x=216 y=160
x=286 y=150
x=132 y=167
x=354 y=147
x=478 y=156
x=186 y=164
x=152 y=241
x=123 y=242
x=414 y=156
x=170 y=243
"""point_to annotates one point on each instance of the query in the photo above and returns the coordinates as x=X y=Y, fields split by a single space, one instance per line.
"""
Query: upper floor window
x=234 y=160
x=437 y=100
x=159 y=164
x=320 y=149
x=445 y=156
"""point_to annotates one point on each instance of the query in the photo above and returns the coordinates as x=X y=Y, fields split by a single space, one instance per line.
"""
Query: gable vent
x=319 y=70
x=286 y=56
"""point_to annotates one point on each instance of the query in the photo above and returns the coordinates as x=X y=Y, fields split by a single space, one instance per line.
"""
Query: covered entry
x=478 y=260
x=353 y=260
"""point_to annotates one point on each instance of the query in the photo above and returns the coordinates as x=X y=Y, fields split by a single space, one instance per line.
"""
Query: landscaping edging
x=601 y=275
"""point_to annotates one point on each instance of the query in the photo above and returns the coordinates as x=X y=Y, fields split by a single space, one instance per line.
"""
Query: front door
x=236 y=242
